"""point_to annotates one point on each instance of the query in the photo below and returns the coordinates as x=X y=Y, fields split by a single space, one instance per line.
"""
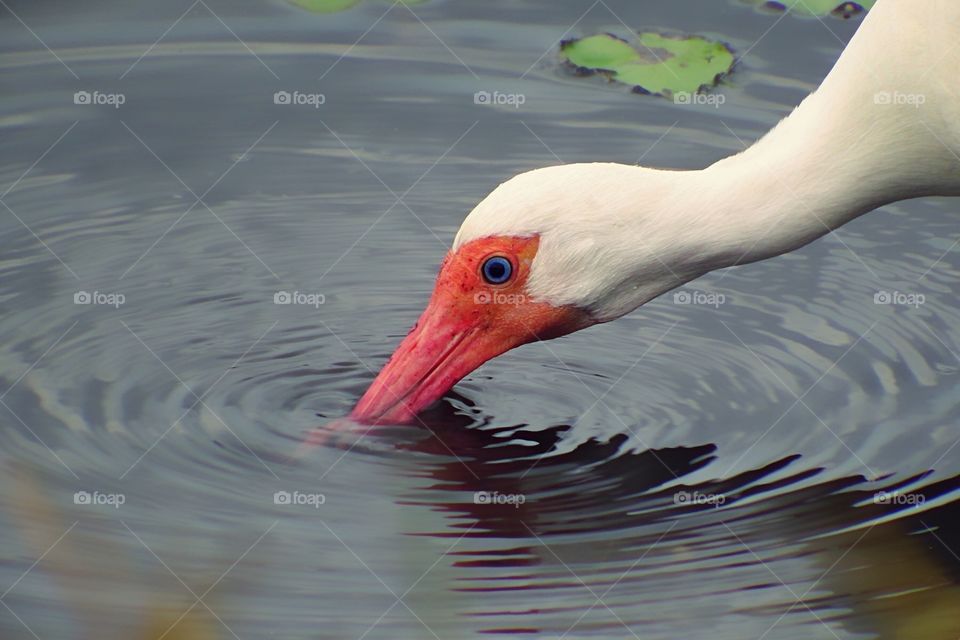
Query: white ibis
x=557 y=249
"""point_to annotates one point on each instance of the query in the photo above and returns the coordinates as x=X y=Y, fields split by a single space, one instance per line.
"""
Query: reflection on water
x=600 y=540
x=625 y=531
x=781 y=465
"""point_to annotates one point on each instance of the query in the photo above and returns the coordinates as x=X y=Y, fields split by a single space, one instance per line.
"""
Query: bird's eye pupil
x=497 y=270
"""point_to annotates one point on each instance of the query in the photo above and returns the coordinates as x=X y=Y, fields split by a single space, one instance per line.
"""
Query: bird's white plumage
x=614 y=236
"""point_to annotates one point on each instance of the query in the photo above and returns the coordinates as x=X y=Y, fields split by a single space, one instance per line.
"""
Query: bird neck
x=802 y=180
x=858 y=142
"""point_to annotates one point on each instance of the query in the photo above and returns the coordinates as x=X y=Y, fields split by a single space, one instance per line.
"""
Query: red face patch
x=464 y=271
x=474 y=314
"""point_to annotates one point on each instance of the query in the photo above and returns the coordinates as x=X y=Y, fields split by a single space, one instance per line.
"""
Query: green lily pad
x=811 y=8
x=334 y=6
x=325 y=6
x=658 y=64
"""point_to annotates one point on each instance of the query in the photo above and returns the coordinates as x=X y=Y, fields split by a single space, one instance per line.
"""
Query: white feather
x=615 y=236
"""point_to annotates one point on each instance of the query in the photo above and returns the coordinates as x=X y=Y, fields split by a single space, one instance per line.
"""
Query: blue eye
x=497 y=270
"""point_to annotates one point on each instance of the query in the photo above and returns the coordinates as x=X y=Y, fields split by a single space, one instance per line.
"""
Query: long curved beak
x=465 y=324
x=448 y=341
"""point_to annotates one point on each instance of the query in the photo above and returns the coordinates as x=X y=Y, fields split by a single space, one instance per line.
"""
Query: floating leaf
x=333 y=6
x=325 y=6
x=659 y=64
x=812 y=8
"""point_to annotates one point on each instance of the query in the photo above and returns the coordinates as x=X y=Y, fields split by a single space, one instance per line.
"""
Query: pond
x=218 y=220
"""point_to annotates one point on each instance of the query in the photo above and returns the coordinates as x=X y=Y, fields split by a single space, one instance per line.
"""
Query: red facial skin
x=466 y=323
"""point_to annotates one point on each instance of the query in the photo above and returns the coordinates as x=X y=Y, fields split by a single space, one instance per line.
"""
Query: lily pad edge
x=582 y=71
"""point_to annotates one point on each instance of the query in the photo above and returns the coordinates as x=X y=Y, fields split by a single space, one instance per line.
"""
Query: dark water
x=690 y=471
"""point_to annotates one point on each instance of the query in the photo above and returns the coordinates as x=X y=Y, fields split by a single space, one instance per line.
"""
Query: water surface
x=692 y=470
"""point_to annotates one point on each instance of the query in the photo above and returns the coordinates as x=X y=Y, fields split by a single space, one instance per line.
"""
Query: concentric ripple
x=769 y=452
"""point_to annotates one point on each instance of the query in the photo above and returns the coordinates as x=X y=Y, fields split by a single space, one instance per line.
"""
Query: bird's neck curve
x=876 y=131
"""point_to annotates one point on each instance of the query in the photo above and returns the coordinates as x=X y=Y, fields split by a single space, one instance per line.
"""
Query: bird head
x=548 y=252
